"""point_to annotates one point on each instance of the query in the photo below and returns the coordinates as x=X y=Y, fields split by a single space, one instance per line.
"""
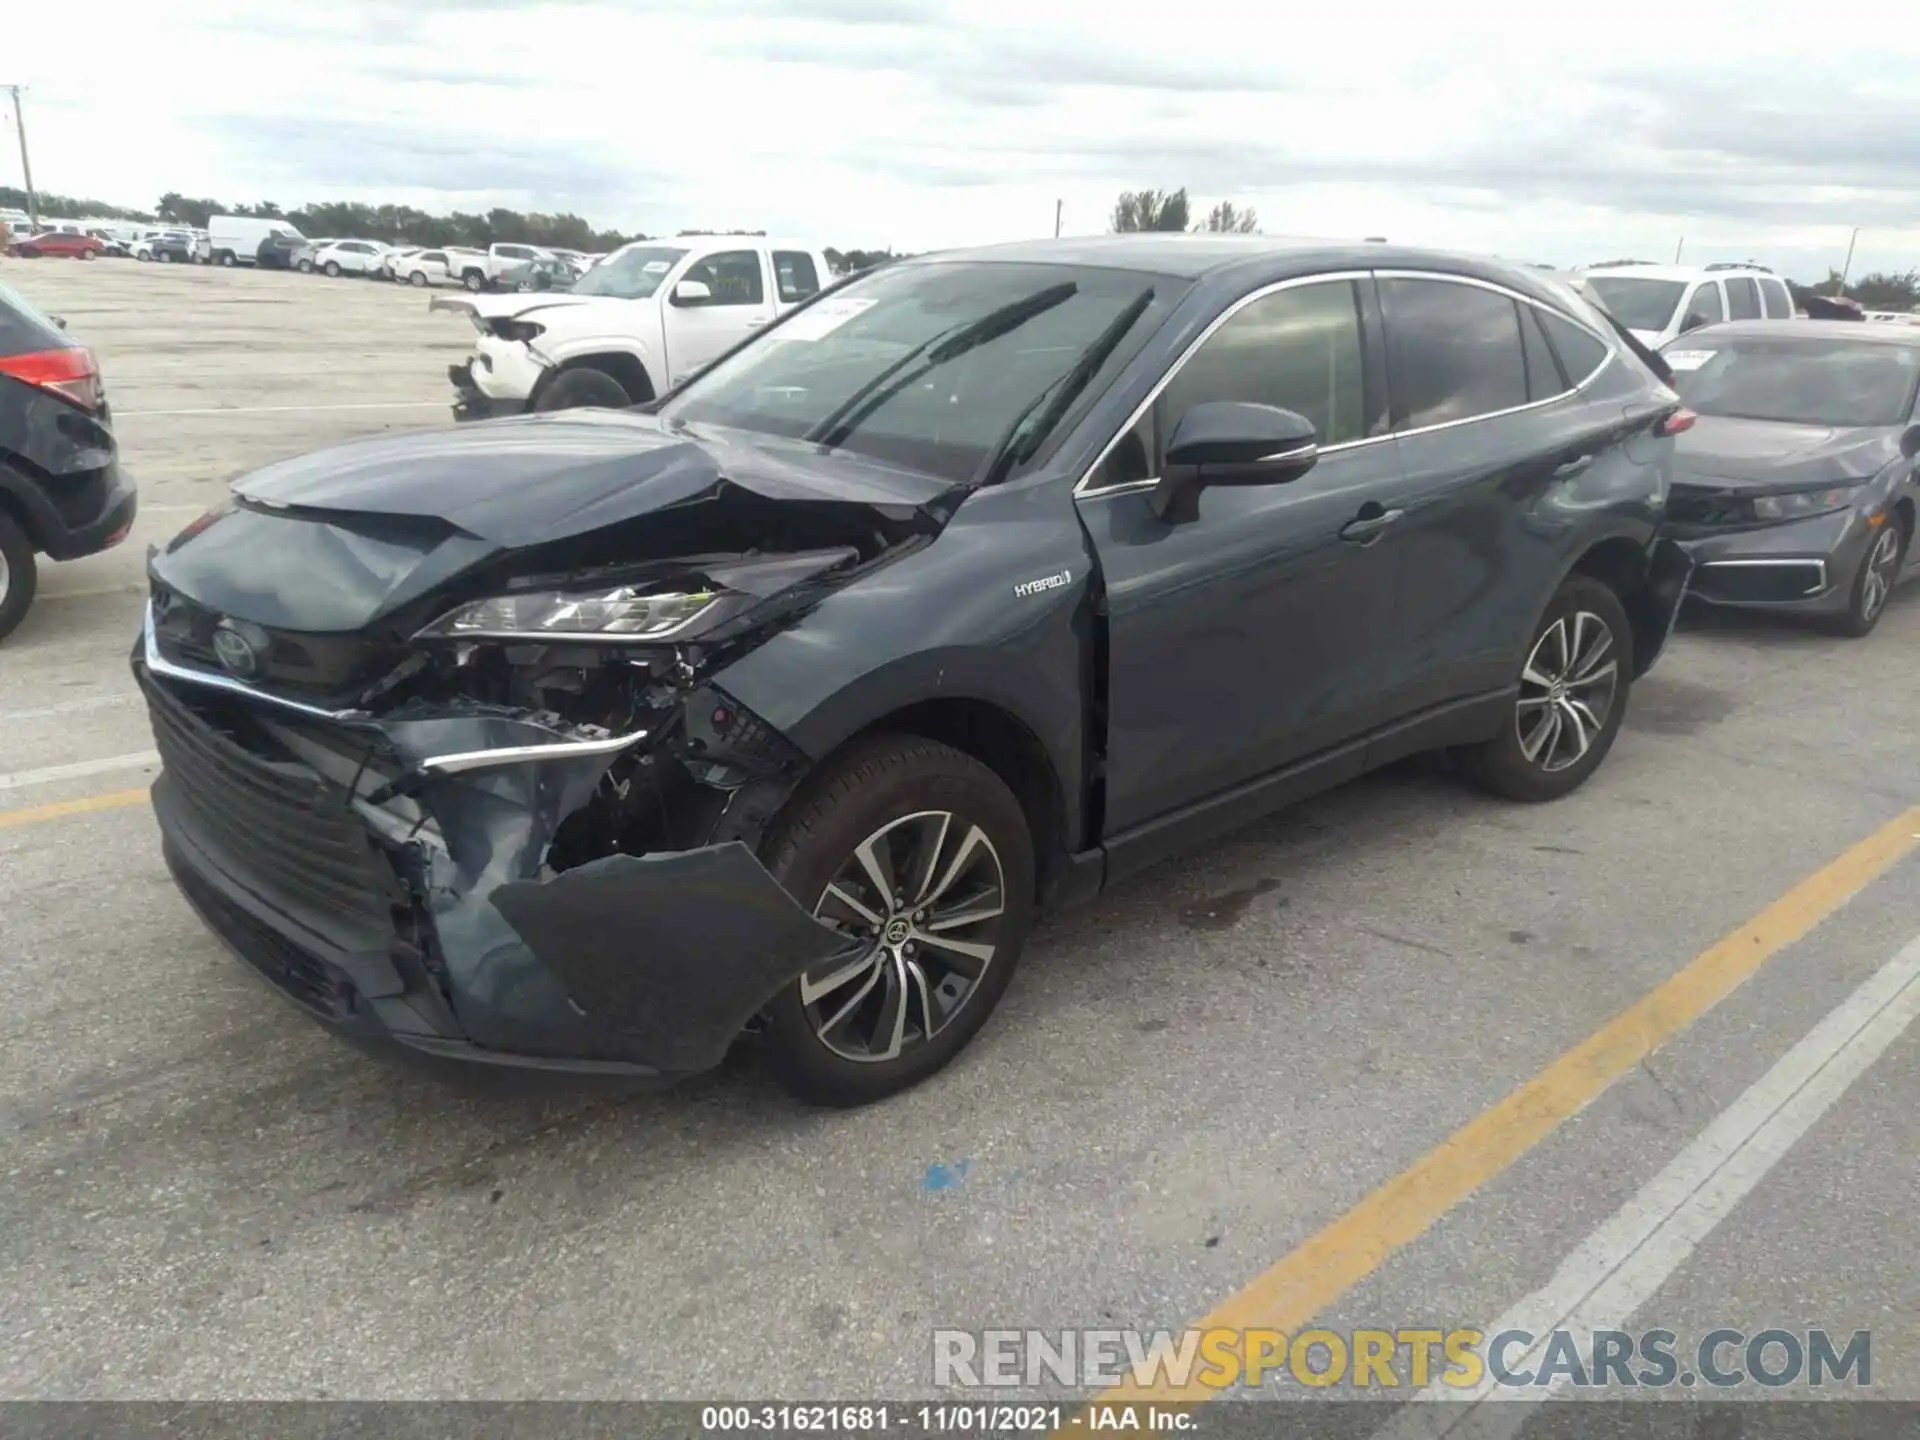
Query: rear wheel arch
x=21 y=501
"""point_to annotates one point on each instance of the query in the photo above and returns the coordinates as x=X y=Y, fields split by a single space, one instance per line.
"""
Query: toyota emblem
x=234 y=651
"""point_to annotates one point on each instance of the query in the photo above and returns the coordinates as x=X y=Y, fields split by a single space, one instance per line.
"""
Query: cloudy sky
x=1616 y=131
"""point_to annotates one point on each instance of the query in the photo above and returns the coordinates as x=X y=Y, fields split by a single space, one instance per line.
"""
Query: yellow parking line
x=1322 y=1269
x=60 y=809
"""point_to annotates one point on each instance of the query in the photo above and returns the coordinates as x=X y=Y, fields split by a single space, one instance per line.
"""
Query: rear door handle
x=1368 y=528
x=1572 y=467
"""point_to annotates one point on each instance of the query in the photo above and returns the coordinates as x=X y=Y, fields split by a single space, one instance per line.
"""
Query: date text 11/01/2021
x=961 y=1419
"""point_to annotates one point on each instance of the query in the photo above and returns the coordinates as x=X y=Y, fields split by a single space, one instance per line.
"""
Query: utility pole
x=1058 y=207
x=1847 y=269
x=1678 y=248
x=26 y=167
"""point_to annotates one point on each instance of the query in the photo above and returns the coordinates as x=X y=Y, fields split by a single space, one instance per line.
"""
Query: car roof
x=1255 y=259
x=1680 y=272
x=1851 y=331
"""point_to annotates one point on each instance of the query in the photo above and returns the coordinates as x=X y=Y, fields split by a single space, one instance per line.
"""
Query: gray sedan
x=1795 y=488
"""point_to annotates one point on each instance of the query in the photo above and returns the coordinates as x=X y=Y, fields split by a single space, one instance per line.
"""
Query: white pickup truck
x=632 y=327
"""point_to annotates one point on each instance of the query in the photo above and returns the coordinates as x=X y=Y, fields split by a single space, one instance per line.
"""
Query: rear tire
x=19 y=575
x=927 y=813
x=1572 y=698
x=305 y=267
x=584 y=387
x=1873 y=583
x=165 y=257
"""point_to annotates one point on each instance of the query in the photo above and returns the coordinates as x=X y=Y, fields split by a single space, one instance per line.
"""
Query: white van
x=1658 y=302
x=250 y=240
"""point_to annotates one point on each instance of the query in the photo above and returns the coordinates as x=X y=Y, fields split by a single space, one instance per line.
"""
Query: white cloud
x=919 y=124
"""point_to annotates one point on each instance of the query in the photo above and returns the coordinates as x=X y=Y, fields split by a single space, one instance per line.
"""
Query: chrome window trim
x=1139 y=411
x=1083 y=488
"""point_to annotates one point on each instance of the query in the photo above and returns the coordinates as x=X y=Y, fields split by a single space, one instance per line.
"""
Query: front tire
x=474 y=281
x=305 y=267
x=586 y=386
x=1879 y=569
x=924 y=854
x=333 y=269
x=19 y=575
x=1571 y=702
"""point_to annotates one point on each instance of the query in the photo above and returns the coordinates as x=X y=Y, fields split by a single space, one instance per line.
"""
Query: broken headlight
x=623 y=613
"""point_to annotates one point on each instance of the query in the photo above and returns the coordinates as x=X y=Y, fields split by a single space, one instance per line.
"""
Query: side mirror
x=1227 y=442
x=1910 y=442
x=692 y=292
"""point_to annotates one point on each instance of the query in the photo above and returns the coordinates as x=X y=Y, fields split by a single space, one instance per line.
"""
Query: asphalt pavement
x=1185 y=1111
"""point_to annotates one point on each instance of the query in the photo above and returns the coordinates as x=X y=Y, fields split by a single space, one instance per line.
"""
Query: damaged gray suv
x=596 y=740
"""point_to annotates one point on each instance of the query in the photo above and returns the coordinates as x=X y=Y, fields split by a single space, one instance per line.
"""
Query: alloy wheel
x=927 y=894
x=1567 y=690
x=1883 y=565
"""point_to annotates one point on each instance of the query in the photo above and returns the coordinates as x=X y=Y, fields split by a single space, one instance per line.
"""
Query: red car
x=58 y=242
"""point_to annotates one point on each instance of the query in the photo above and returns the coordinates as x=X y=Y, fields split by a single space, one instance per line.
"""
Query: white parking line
x=287 y=409
x=1620 y=1266
x=65 y=707
x=22 y=778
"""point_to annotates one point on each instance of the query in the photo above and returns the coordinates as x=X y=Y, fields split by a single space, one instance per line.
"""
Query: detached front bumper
x=407 y=900
x=1803 y=565
x=472 y=403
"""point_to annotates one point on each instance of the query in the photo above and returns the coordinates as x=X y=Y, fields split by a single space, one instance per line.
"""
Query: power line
x=26 y=166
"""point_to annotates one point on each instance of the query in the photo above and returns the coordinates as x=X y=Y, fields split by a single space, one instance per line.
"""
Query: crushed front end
x=476 y=816
x=479 y=882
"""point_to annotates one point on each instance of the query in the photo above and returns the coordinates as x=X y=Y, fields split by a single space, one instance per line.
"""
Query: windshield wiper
x=1010 y=449
x=935 y=351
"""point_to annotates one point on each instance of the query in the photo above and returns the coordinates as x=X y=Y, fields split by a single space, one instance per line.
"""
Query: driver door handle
x=1369 y=527
x=1572 y=467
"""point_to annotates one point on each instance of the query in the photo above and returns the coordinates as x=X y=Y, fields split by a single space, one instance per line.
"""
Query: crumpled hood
x=1721 y=450
x=534 y=479
x=512 y=304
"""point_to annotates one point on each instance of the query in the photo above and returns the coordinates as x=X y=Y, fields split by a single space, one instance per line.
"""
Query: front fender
x=997 y=610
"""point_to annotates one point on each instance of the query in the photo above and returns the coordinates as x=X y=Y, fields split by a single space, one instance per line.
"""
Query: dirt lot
x=1191 y=1080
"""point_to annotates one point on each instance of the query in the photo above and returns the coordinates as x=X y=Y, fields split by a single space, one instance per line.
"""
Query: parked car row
x=908 y=606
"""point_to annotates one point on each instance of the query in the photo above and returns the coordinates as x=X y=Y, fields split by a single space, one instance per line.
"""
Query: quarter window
x=795 y=275
x=1455 y=352
x=1298 y=349
x=732 y=275
x=1743 y=299
x=1580 y=351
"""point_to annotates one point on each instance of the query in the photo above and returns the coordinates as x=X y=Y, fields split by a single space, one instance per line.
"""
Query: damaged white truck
x=634 y=326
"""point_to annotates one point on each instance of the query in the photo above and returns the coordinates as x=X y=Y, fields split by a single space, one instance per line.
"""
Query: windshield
x=1798 y=382
x=1637 y=303
x=930 y=366
x=630 y=274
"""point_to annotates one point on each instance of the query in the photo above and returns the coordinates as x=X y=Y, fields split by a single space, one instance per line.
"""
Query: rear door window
x=1778 y=300
x=795 y=275
x=1704 y=307
x=1743 y=299
x=1454 y=351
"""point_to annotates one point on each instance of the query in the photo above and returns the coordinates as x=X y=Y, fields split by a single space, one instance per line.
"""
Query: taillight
x=1679 y=420
x=69 y=372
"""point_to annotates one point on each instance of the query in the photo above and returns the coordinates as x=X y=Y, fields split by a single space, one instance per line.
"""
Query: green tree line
x=394 y=224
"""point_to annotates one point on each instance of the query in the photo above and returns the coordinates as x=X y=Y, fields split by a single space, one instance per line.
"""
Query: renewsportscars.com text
x=1401 y=1358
